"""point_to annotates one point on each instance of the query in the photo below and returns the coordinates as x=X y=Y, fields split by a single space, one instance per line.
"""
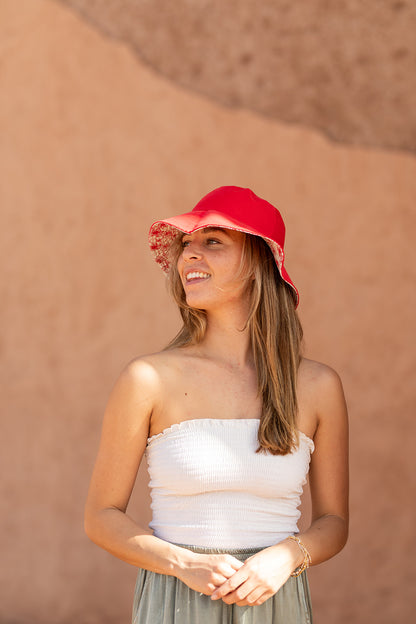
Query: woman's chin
x=196 y=304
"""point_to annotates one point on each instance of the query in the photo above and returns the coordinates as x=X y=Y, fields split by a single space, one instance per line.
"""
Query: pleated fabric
x=162 y=599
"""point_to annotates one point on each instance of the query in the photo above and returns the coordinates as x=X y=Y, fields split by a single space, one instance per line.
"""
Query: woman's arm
x=263 y=574
x=124 y=435
x=328 y=475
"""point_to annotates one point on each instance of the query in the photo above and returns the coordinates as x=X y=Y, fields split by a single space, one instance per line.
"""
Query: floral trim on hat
x=161 y=238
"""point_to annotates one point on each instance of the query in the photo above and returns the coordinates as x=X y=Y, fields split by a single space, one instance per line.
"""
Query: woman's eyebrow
x=208 y=230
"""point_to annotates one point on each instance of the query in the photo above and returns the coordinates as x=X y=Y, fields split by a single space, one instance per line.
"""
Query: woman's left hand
x=261 y=576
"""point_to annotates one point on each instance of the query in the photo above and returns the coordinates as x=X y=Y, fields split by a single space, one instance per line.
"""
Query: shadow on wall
x=319 y=64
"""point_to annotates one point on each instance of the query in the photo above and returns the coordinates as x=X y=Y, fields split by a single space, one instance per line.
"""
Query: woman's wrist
x=179 y=560
x=296 y=555
x=304 y=559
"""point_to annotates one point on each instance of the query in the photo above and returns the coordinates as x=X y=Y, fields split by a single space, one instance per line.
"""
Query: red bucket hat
x=230 y=207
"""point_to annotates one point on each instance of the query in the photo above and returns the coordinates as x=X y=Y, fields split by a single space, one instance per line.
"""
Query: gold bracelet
x=306 y=556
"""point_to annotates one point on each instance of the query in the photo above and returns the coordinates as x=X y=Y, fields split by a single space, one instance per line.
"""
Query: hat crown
x=247 y=210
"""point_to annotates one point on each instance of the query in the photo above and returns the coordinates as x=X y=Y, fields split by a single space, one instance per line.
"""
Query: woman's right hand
x=205 y=572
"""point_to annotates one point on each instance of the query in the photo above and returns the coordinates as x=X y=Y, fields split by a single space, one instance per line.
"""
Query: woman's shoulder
x=322 y=386
x=159 y=380
x=153 y=369
x=317 y=374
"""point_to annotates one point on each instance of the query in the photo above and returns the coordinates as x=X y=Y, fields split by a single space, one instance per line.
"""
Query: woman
x=230 y=417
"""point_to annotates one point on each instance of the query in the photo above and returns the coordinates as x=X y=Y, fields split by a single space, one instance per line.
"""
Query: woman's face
x=209 y=267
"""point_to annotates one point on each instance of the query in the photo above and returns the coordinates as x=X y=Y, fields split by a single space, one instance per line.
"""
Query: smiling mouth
x=196 y=275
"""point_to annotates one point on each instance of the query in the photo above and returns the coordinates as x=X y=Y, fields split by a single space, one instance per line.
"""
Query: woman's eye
x=208 y=241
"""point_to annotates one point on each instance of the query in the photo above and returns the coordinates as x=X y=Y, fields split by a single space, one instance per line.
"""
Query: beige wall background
x=95 y=144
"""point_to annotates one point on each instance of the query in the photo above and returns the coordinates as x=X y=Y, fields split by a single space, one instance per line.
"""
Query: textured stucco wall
x=347 y=67
x=94 y=146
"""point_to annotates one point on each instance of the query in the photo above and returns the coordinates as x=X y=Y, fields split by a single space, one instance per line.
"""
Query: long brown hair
x=275 y=334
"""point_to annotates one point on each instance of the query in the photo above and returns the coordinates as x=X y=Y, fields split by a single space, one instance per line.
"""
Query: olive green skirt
x=162 y=599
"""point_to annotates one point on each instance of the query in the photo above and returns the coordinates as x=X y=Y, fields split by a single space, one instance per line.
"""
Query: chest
x=204 y=391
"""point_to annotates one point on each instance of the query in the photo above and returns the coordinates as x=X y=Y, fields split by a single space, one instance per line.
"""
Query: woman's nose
x=192 y=251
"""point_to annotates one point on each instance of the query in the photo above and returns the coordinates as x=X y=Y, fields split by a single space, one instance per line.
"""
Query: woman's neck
x=227 y=341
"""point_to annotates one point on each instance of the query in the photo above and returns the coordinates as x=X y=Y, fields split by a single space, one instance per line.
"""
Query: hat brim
x=163 y=233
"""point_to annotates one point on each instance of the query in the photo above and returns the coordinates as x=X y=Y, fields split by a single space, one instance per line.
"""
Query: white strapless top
x=210 y=488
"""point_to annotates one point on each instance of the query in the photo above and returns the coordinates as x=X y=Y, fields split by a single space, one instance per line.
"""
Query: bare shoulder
x=158 y=380
x=144 y=374
x=322 y=386
x=148 y=375
x=318 y=376
x=138 y=379
x=153 y=368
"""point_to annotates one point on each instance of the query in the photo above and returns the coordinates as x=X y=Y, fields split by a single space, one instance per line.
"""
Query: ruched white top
x=210 y=488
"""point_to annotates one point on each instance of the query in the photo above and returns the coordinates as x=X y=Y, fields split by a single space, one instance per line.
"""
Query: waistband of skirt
x=236 y=552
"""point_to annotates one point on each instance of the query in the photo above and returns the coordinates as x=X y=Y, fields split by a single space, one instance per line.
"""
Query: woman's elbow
x=342 y=523
x=91 y=524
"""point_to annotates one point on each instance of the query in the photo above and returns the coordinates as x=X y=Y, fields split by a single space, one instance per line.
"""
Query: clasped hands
x=247 y=583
